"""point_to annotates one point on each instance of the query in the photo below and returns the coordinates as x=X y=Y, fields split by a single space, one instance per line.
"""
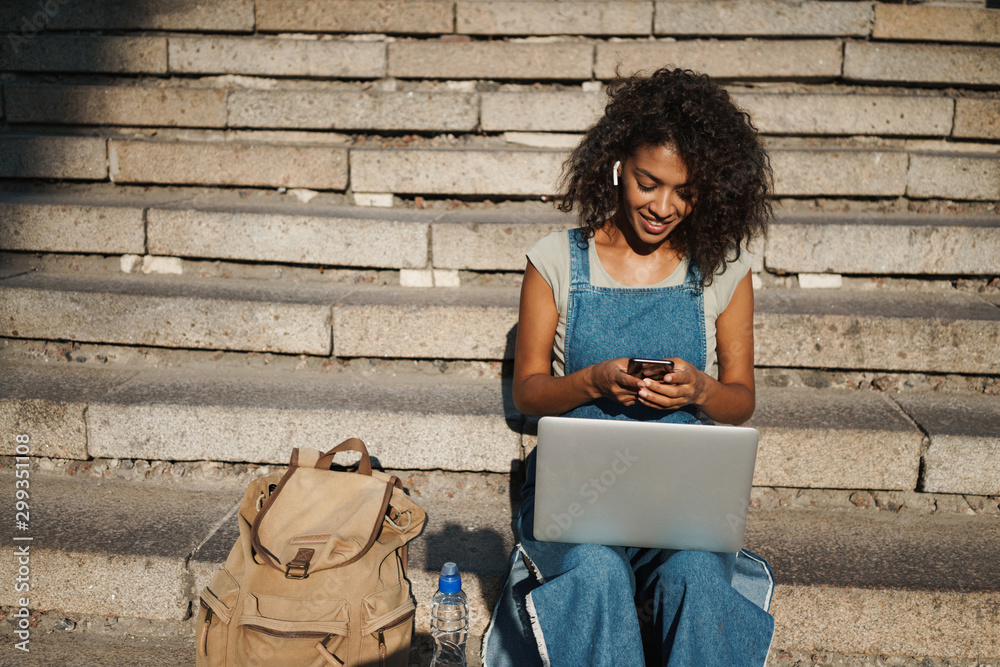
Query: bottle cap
x=450 y=580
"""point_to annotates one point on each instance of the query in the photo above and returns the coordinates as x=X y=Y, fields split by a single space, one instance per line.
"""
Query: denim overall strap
x=612 y=322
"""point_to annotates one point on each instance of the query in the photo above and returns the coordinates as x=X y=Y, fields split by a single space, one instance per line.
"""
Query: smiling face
x=656 y=196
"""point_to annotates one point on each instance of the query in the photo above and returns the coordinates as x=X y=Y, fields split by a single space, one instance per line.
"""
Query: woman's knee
x=694 y=569
x=602 y=566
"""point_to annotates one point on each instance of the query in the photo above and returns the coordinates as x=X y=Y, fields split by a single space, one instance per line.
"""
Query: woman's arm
x=536 y=391
x=731 y=398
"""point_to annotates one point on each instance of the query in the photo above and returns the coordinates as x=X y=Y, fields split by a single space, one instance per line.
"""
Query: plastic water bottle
x=449 y=619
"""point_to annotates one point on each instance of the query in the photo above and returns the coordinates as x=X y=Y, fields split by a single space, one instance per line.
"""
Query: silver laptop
x=643 y=484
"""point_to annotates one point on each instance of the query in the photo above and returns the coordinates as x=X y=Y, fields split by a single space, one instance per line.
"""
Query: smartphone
x=654 y=369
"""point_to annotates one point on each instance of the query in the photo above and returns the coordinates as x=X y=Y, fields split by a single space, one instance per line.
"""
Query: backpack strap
x=298 y=568
x=349 y=445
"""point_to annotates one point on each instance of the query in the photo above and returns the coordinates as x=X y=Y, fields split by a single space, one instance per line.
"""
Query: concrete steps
x=236 y=144
x=280 y=229
x=962 y=22
x=96 y=650
x=476 y=167
x=833 y=438
x=572 y=54
x=830 y=551
x=92 y=649
x=459 y=107
x=870 y=329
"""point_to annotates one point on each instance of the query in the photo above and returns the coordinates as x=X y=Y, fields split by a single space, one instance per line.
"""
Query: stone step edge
x=959 y=24
x=224 y=107
x=24 y=276
x=62 y=643
x=869 y=440
x=843 y=328
x=792 y=603
x=159 y=237
x=219 y=200
x=916 y=172
x=532 y=59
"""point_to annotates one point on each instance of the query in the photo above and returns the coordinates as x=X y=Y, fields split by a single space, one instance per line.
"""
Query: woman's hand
x=731 y=398
x=685 y=385
x=610 y=379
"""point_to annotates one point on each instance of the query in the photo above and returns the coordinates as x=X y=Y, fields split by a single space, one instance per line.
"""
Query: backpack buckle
x=300 y=564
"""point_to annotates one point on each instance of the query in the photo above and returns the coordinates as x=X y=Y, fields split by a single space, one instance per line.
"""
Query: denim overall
x=581 y=604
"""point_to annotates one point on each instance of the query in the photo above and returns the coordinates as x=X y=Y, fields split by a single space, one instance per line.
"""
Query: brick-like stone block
x=867 y=529
x=186 y=15
x=165 y=312
x=556 y=111
x=496 y=243
x=936 y=24
x=53 y=156
x=977 y=119
x=409 y=17
x=456 y=171
x=877 y=330
x=964 y=431
x=116 y=105
x=490 y=60
x=278 y=56
x=954 y=176
x=474 y=323
x=72 y=228
x=101 y=584
x=767 y=17
x=345 y=110
x=416 y=278
x=232 y=417
x=883 y=246
x=339 y=237
x=839 y=172
x=889 y=621
x=553 y=18
x=48 y=402
x=229 y=163
x=56 y=429
x=781 y=59
x=948 y=65
x=105 y=556
x=833 y=439
x=825 y=114
x=66 y=53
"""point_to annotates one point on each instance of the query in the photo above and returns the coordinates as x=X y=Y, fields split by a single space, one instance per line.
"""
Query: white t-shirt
x=550 y=256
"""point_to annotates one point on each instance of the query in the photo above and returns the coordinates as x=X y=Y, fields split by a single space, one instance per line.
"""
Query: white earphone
x=614 y=172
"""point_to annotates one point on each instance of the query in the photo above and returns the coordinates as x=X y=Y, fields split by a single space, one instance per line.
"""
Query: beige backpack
x=318 y=574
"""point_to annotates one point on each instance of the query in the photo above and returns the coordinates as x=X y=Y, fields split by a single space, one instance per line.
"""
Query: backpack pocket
x=217 y=602
x=387 y=630
x=267 y=637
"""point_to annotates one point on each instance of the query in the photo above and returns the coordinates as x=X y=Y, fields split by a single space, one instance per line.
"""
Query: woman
x=670 y=186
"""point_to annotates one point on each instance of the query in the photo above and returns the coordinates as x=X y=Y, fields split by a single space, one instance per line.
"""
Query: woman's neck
x=629 y=261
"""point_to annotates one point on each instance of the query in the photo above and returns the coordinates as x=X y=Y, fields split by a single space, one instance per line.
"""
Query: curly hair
x=728 y=168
